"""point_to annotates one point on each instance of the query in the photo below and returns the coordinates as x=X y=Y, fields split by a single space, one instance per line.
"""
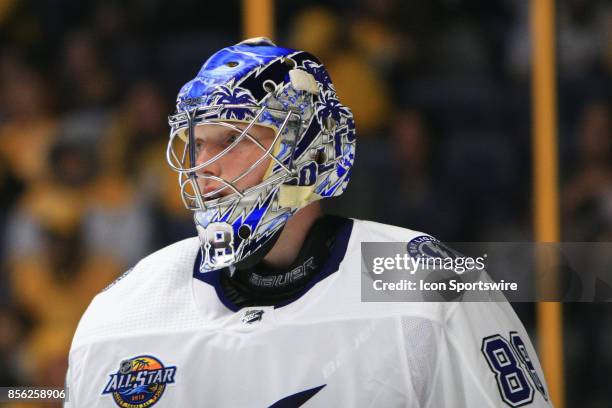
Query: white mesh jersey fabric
x=352 y=353
x=421 y=337
x=154 y=297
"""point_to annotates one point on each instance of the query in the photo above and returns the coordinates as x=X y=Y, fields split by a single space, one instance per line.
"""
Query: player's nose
x=206 y=157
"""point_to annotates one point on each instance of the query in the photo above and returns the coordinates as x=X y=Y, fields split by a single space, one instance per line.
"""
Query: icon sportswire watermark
x=425 y=269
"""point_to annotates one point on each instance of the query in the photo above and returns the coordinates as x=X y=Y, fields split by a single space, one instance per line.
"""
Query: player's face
x=211 y=139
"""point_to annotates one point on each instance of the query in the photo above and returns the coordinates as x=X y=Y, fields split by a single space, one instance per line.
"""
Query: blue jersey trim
x=336 y=256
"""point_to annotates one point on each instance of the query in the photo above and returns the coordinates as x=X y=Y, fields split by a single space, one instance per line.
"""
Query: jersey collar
x=331 y=266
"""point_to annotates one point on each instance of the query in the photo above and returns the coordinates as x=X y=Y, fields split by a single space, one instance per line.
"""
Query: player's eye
x=199 y=146
x=231 y=138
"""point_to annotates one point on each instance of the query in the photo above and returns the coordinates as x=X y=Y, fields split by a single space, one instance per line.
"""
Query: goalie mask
x=308 y=156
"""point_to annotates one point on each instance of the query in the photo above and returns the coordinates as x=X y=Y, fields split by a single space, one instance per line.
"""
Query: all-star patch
x=139 y=382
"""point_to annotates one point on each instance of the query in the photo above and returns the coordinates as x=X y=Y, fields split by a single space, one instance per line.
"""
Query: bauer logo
x=139 y=382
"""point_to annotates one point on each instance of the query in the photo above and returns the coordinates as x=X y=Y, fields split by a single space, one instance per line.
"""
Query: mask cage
x=181 y=151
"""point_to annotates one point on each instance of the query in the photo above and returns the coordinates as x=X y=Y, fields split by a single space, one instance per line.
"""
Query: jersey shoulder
x=370 y=231
x=347 y=292
x=339 y=296
x=148 y=296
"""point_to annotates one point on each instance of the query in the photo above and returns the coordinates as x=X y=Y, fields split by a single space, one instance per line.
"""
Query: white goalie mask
x=307 y=154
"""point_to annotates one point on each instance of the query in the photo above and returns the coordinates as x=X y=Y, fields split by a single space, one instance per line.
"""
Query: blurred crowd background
x=441 y=94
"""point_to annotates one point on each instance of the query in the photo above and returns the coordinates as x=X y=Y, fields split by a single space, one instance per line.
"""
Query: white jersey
x=160 y=336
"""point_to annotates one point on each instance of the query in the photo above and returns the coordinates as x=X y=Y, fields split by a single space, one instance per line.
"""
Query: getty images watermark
x=425 y=269
x=425 y=265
